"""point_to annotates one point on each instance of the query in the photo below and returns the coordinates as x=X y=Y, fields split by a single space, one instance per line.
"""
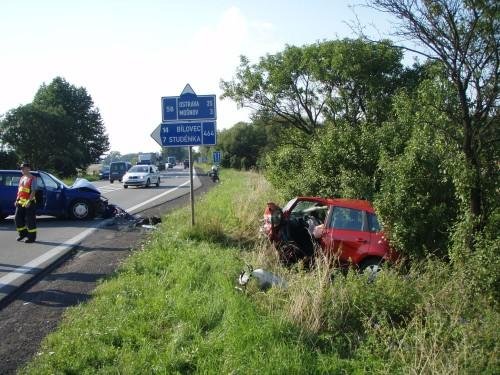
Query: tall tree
x=85 y=120
x=60 y=131
x=464 y=36
x=348 y=80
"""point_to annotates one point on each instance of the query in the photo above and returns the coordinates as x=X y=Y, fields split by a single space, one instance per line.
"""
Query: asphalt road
x=20 y=261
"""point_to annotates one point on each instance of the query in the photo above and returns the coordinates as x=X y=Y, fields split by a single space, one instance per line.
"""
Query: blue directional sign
x=217 y=156
x=188 y=107
x=188 y=133
x=187 y=120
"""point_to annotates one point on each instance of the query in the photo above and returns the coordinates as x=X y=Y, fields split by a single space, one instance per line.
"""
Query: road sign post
x=187 y=120
x=191 y=192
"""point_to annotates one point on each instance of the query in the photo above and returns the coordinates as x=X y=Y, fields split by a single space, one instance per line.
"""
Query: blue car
x=80 y=201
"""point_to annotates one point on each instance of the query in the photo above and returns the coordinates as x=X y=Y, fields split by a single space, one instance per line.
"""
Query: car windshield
x=139 y=169
x=309 y=208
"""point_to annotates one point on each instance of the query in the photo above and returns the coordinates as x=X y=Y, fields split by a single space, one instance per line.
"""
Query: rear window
x=373 y=224
x=118 y=167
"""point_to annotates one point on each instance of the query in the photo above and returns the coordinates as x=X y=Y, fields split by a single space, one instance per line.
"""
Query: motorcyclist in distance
x=214 y=173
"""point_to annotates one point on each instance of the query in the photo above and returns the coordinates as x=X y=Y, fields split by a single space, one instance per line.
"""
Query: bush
x=417 y=199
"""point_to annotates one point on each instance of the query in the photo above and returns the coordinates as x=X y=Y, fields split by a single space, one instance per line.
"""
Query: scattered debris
x=125 y=220
x=265 y=279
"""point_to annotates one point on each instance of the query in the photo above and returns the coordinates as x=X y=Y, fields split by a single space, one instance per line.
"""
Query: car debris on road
x=124 y=220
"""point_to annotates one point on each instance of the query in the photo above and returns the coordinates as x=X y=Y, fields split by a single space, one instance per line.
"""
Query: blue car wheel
x=81 y=210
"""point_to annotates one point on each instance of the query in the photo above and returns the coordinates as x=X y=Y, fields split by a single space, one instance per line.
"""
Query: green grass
x=172 y=308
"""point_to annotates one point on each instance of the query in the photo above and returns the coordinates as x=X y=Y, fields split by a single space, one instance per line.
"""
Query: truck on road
x=171 y=162
x=147 y=158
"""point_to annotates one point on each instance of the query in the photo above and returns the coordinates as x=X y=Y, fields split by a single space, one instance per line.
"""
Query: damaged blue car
x=81 y=201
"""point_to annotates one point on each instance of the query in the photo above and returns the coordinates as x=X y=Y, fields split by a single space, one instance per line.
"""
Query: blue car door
x=9 y=181
x=53 y=197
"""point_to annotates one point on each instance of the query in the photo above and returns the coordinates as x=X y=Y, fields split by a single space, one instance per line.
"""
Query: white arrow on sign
x=156 y=135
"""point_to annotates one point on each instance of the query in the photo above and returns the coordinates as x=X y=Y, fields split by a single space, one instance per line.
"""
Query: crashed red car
x=344 y=229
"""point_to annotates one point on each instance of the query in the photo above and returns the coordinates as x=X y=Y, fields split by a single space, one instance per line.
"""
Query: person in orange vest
x=26 y=205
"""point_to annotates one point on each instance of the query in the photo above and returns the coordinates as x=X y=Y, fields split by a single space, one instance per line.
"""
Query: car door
x=9 y=182
x=346 y=234
x=53 y=198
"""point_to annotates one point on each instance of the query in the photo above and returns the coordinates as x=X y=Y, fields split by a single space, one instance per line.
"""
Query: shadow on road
x=12 y=267
x=54 y=298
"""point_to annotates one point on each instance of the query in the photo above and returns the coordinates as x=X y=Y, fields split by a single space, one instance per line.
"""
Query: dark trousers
x=25 y=220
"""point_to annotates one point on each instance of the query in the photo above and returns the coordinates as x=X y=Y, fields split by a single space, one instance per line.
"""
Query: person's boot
x=22 y=235
x=31 y=238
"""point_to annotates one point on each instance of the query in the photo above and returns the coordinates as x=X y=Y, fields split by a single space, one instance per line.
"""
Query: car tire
x=371 y=267
x=158 y=182
x=125 y=186
x=111 y=181
x=148 y=183
x=81 y=210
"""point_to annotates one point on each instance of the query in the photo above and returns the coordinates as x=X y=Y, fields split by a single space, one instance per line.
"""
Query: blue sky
x=128 y=54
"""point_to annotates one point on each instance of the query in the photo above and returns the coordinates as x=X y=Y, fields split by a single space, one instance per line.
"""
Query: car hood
x=82 y=183
x=137 y=174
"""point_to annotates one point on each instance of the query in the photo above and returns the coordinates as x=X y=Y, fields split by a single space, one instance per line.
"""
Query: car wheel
x=111 y=181
x=125 y=186
x=81 y=210
x=371 y=267
x=158 y=183
x=148 y=183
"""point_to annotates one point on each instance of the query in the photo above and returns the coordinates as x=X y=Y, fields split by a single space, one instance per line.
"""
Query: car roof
x=360 y=204
x=15 y=171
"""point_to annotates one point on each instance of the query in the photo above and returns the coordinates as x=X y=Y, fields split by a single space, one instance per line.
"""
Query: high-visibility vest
x=24 y=190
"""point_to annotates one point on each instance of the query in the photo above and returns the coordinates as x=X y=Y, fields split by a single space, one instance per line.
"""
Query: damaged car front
x=84 y=200
x=346 y=230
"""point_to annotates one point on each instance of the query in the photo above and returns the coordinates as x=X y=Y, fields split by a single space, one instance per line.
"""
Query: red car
x=346 y=229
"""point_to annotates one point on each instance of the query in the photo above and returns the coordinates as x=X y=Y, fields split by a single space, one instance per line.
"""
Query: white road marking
x=59 y=250
x=55 y=251
x=130 y=209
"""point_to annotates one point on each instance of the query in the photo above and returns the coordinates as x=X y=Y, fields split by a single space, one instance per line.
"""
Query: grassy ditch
x=173 y=308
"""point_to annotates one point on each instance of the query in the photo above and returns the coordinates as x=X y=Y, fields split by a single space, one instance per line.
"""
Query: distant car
x=186 y=163
x=117 y=169
x=104 y=173
x=80 y=201
x=169 y=165
x=344 y=229
x=141 y=175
